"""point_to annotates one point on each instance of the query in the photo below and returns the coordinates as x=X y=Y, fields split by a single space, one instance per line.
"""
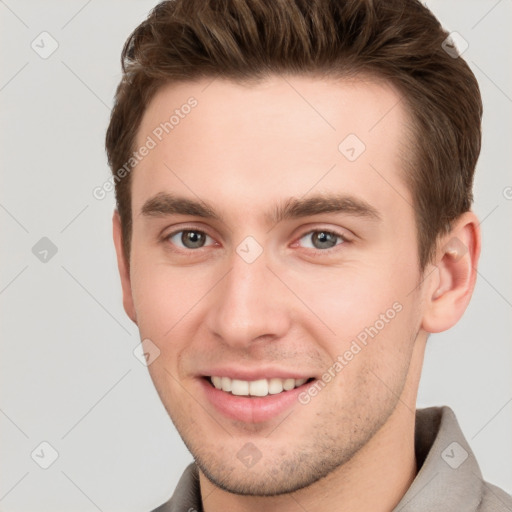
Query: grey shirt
x=448 y=479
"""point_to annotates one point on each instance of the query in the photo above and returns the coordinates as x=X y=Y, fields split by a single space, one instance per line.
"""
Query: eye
x=322 y=239
x=189 y=238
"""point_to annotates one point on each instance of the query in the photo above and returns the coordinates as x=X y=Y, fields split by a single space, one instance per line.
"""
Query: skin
x=242 y=150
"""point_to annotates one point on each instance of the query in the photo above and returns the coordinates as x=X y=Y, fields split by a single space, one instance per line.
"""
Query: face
x=274 y=256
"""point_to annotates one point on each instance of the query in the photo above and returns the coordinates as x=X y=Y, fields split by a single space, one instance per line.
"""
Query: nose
x=249 y=305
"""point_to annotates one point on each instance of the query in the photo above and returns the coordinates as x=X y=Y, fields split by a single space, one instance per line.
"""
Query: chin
x=268 y=478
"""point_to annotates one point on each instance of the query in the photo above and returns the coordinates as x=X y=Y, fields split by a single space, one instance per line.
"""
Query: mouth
x=256 y=388
x=253 y=401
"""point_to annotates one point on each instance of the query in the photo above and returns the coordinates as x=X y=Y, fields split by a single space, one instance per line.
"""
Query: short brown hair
x=398 y=40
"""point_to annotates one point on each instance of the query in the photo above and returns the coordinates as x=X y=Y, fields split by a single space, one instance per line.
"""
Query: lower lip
x=251 y=409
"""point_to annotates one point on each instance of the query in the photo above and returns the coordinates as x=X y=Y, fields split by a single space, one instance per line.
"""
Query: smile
x=253 y=401
x=260 y=387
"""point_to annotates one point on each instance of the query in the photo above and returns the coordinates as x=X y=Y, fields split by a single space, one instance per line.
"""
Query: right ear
x=124 y=268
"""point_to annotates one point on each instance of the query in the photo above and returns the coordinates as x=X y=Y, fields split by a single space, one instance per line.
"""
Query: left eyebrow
x=323 y=203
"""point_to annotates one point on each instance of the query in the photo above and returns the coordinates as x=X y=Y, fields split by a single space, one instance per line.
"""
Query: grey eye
x=322 y=239
x=189 y=238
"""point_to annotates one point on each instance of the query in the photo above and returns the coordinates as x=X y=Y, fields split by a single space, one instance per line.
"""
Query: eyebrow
x=322 y=203
x=163 y=204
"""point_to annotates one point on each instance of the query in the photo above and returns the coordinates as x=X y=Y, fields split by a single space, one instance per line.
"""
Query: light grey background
x=68 y=373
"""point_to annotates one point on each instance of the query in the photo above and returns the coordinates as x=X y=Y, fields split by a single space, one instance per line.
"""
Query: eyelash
x=342 y=237
x=321 y=252
x=166 y=238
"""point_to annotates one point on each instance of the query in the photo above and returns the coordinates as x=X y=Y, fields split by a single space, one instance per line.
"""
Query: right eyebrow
x=167 y=204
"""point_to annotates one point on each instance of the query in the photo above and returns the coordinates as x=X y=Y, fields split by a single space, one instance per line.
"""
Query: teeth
x=258 y=387
x=239 y=387
x=275 y=386
x=288 y=384
x=225 y=384
x=262 y=387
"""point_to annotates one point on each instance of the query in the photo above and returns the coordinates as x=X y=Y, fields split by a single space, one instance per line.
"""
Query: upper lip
x=253 y=374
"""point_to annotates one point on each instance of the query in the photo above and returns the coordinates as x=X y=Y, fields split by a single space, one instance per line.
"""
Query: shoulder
x=187 y=495
x=494 y=499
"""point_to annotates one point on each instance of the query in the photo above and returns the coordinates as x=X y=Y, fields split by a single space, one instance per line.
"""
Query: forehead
x=281 y=137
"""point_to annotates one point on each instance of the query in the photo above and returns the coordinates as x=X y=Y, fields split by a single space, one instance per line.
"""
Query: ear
x=124 y=268
x=452 y=280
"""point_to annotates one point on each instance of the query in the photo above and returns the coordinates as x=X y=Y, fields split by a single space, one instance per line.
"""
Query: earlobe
x=453 y=281
x=123 y=266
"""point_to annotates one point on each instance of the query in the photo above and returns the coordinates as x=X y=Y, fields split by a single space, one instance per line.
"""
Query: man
x=293 y=184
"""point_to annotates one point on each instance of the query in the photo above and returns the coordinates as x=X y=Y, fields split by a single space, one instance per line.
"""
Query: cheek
x=374 y=320
x=374 y=365
x=349 y=300
x=162 y=296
